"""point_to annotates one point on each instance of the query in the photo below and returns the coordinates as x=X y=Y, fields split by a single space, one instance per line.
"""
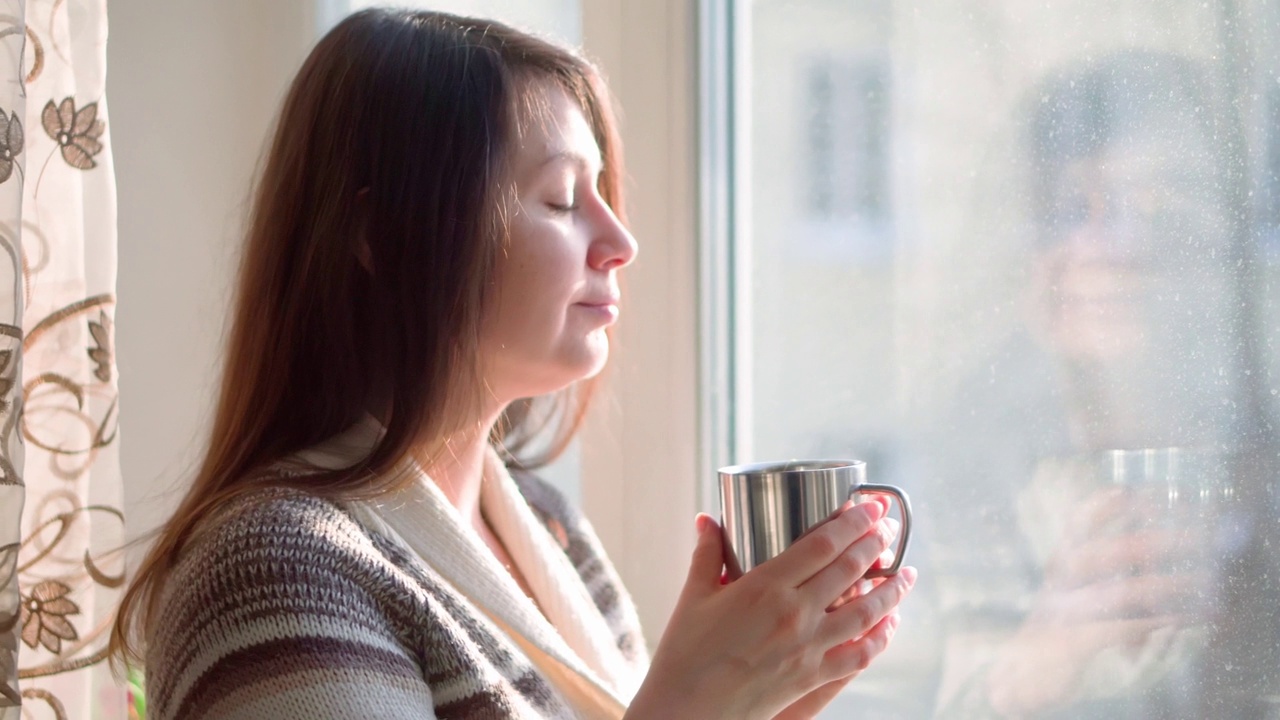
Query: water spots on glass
x=1065 y=348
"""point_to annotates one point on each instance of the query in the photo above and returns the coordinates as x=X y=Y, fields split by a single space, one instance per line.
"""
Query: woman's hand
x=813 y=703
x=766 y=642
x=1117 y=577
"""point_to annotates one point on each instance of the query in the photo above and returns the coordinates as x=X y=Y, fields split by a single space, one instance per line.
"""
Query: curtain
x=60 y=485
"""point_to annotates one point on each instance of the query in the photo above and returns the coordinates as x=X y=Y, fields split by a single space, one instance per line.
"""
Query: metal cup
x=1187 y=494
x=1179 y=477
x=767 y=506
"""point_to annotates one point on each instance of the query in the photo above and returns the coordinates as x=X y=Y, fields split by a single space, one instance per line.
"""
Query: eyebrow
x=568 y=156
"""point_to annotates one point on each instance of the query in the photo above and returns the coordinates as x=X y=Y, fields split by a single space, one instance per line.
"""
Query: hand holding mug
x=766 y=643
x=769 y=506
x=1116 y=578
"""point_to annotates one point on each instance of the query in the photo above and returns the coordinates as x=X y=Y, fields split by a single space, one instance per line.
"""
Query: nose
x=612 y=245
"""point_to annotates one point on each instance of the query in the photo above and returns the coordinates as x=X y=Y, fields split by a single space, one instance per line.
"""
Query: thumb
x=708 y=556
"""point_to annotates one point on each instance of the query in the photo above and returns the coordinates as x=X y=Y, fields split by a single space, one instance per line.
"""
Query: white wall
x=192 y=87
x=560 y=19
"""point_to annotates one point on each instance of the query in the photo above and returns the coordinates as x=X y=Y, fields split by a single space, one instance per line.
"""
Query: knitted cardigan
x=290 y=606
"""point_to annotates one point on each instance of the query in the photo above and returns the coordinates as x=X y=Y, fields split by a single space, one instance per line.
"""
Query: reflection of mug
x=768 y=506
x=1188 y=495
x=1176 y=477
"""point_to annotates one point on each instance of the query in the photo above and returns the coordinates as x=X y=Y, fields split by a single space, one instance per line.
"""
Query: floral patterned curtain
x=60 y=485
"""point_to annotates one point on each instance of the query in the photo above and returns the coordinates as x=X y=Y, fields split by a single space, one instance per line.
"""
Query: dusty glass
x=1022 y=258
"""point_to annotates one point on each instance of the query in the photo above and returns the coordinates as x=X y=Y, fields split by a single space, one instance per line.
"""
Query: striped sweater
x=289 y=606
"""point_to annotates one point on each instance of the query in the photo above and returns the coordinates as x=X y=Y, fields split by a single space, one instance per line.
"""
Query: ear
x=363 y=253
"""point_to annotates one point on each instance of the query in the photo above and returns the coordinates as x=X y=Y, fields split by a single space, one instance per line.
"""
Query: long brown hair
x=368 y=260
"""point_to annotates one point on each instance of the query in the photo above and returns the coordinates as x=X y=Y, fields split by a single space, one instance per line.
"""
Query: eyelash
x=562 y=209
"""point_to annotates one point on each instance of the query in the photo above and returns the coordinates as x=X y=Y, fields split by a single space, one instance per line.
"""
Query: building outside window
x=1020 y=257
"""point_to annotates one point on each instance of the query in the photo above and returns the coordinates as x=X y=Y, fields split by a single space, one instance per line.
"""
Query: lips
x=604 y=297
x=601 y=302
x=603 y=307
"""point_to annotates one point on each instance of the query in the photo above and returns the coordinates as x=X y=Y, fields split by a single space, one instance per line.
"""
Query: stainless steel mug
x=1177 y=476
x=767 y=506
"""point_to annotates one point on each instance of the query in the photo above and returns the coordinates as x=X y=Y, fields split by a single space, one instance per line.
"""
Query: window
x=1022 y=258
x=843 y=149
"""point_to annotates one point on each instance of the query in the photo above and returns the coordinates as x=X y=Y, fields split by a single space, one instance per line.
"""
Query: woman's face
x=1140 y=245
x=557 y=281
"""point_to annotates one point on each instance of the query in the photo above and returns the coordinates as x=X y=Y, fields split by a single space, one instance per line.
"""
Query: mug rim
x=795 y=466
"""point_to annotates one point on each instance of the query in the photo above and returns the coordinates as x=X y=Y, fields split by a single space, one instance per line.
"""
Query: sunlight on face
x=557 y=282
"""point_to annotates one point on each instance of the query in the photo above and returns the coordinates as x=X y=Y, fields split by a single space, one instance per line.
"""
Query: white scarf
x=572 y=645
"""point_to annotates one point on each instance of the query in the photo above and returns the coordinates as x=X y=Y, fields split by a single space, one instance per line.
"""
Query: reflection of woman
x=1133 y=281
x=436 y=239
x=1128 y=344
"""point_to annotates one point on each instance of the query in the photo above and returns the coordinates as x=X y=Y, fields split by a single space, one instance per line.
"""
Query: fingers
x=852 y=657
x=859 y=616
x=1131 y=632
x=885 y=500
x=708 y=556
x=893 y=526
x=1040 y=665
x=1129 y=598
x=1116 y=633
x=833 y=580
x=1086 y=639
x=1097 y=512
x=853 y=591
x=886 y=558
x=819 y=548
x=1133 y=554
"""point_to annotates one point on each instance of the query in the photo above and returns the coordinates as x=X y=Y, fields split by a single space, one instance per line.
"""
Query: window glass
x=1022 y=258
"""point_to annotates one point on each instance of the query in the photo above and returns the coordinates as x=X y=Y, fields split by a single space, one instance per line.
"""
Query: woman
x=1112 y=449
x=436 y=240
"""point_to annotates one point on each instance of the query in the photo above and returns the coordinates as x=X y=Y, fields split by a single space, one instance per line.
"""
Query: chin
x=565 y=365
x=554 y=377
x=586 y=366
x=595 y=369
x=588 y=357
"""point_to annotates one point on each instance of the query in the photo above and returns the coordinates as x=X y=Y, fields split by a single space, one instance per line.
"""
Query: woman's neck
x=459 y=470
x=459 y=473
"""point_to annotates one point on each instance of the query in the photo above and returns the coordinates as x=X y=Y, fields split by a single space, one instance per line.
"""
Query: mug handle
x=905 y=504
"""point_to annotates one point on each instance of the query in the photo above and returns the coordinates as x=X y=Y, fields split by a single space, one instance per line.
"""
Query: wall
x=192 y=88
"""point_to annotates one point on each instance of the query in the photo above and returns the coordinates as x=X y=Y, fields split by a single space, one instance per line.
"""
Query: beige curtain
x=60 y=486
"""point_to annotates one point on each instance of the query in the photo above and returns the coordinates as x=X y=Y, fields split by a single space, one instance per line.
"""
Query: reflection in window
x=1066 y=351
x=1268 y=198
x=1121 y=406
